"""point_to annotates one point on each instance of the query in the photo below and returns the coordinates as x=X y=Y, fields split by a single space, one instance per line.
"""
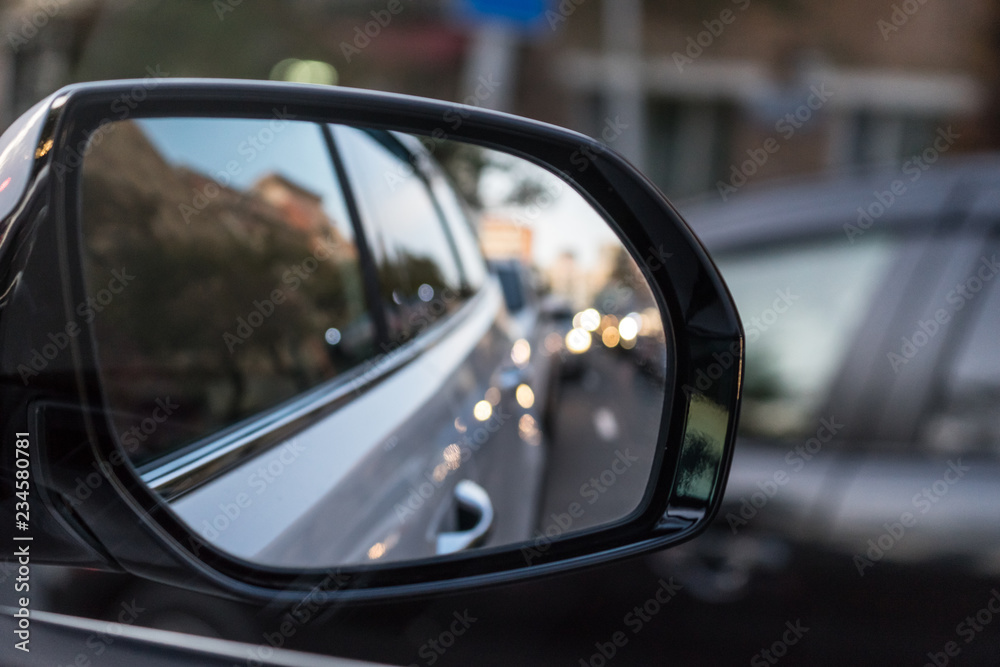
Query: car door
x=444 y=319
x=207 y=429
x=323 y=343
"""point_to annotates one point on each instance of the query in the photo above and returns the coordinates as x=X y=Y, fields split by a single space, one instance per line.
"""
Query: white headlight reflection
x=578 y=340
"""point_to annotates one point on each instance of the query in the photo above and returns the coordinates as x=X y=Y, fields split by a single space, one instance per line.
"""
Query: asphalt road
x=602 y=440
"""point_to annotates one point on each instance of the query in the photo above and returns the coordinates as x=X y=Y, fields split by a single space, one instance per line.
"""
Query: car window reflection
x=220 y=257
x=419 y=274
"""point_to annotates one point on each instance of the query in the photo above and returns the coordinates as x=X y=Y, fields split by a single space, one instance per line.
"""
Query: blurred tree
x=467 y=164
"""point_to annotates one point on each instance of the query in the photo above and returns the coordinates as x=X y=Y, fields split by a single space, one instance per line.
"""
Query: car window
x=457 y=217
x=224 y=268
x=801 y=306
x=419 y=275
x=965 y=417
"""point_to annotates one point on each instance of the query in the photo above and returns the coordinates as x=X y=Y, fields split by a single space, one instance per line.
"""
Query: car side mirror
x=255 y=342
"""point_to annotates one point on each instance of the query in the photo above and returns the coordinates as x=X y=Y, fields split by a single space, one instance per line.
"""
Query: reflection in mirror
x=327 y=345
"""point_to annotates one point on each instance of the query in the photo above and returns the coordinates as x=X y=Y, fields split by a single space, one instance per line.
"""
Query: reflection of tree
x=401 y=278
x=701 y=452
x=198 y=279
x=698 y=462
x=625 y=270
x=406 y=272
x=625 y=288
x=466 y=164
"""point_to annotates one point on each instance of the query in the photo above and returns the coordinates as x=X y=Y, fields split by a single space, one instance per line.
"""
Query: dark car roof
x=955 y=187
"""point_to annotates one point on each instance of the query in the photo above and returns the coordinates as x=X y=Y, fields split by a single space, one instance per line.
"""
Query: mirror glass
x=325 y=345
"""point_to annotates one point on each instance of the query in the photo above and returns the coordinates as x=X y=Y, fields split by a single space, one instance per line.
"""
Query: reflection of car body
x=435 y=354
x=387 y=325
x=868 y=468
x=533 y=321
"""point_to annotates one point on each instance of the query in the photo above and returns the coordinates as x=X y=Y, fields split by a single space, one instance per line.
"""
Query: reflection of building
x=505 y=239
x=578 y=282
x=192 y=207
x=608 y=259
x=569 y=279
x=563 y=278
x=299 y=207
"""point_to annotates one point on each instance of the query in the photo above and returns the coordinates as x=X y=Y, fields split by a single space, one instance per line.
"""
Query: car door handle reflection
x=474 y=503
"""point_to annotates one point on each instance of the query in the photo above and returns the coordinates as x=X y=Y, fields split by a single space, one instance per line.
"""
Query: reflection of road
x=604 y=426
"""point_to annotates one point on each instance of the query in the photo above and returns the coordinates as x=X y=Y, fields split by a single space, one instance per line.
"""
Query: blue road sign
x=523 y=12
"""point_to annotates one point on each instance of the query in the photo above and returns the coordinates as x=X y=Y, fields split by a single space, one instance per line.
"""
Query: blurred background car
x=715 y=102
x=869 y=450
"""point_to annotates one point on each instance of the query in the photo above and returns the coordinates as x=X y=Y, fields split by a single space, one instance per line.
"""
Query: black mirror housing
x=97 y=511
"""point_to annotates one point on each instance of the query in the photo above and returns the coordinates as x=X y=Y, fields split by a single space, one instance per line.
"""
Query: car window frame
x=365 y=227
x=435 y=177
x=177 y=472
x=155 y=468
x=860 y=389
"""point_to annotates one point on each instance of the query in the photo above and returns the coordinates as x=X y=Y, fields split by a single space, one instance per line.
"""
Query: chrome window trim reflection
x=218 y=453
x=326 y=453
